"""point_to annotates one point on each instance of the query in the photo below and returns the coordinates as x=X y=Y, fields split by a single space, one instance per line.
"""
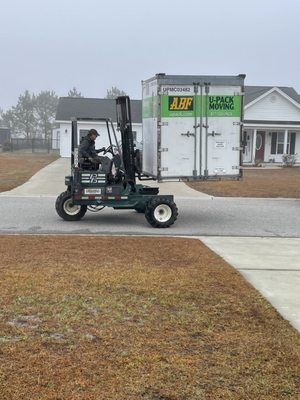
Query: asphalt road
x=197 y=217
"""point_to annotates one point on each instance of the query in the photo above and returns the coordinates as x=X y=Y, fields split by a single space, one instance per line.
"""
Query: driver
x=87 y=148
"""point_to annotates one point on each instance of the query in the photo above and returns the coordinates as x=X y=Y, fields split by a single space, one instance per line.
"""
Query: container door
x=177 y=150
x=222 y=151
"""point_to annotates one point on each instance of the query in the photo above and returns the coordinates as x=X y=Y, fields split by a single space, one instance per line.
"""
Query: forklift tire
x=161 y=212
x=67 y=210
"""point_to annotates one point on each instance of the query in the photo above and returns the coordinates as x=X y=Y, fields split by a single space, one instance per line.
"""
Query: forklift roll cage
x=97 y=188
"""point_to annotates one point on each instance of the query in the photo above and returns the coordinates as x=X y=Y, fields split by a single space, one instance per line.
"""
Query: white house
x=81 y=107
x=271 y=122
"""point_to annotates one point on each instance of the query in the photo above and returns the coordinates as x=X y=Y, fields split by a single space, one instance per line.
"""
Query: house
x=271 y=122
x=4 y=134
x=81 y=107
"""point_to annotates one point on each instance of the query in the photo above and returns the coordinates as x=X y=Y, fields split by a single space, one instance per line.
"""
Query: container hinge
x=163 y=169
x=162 y=149
x=237 y=148
x=238 y=123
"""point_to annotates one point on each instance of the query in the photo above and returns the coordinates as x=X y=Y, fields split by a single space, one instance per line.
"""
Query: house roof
x=253 y=92
x=82 y=107
x=3 y=125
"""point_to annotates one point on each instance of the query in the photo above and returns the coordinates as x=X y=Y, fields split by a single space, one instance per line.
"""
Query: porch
x=269 y=144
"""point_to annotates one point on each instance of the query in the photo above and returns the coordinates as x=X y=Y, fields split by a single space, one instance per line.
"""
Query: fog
x=94 y=44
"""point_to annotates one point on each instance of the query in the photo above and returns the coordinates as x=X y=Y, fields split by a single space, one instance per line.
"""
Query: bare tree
x=74 y=93
x=21 y=118
x=114 y=92
x=45 y=109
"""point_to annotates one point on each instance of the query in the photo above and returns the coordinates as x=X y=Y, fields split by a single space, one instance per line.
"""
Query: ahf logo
x=93 y=178
x=181 y=103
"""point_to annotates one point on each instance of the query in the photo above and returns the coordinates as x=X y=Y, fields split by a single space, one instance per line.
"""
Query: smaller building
x=4 y=134
x=81 y=107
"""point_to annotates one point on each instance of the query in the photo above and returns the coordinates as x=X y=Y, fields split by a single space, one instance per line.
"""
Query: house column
x=254 y=146
x=285 y=141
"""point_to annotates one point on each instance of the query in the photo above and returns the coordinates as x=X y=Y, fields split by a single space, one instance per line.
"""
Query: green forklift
x=113 y=182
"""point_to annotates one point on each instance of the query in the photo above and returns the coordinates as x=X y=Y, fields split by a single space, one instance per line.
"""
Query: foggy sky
x=96 y=44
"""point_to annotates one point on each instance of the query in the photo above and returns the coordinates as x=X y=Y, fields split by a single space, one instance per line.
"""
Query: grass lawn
x=17 y=168
x=275 y=182
x=91 y=318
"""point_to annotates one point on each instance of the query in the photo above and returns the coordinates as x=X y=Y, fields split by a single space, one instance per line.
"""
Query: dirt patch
x=17 y=168
x=136 y=318
x=276 y=182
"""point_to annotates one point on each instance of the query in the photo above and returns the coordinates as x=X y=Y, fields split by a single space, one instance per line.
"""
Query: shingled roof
x=82 y=107
x=253 y=92
x=70 y=107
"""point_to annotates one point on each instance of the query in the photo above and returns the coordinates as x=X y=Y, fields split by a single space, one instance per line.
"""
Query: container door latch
x=188 y=134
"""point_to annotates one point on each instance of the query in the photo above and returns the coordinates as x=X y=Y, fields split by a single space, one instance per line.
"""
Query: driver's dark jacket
x=87 y=148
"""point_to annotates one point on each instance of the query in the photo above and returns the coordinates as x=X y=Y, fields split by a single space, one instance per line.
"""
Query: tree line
x=33 y=116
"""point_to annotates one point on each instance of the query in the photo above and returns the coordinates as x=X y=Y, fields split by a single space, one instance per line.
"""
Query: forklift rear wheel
x=161 y=212
x=67 y=210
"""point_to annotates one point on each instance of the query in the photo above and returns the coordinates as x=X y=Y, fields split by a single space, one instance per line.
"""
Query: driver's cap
x=93 y=132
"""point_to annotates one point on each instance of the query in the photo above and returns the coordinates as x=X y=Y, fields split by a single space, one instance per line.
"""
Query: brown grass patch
x=277 y=182
x=17 y=168
x=136 y=318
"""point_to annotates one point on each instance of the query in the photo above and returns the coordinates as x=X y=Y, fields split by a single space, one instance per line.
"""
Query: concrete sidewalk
x=271 y=265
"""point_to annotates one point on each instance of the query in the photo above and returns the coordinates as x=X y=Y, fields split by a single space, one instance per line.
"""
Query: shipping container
x=192 y=127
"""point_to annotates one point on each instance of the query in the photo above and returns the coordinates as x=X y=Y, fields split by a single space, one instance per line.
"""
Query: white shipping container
x=192 y=126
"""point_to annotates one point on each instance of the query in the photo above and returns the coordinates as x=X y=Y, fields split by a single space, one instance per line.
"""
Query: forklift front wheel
x=67 y=210
x=161 y=212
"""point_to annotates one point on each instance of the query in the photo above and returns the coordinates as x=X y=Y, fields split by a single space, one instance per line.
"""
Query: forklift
x=112 y=183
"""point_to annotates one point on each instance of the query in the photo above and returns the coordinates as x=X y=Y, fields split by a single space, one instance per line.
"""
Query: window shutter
x=273 y=142
x=293 y=142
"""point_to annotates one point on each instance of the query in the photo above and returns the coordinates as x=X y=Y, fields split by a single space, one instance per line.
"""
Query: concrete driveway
x=49 y=181
x=271 y=265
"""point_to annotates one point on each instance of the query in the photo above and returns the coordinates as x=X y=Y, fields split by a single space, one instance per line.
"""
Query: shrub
x=7 y=146
x=289 y=160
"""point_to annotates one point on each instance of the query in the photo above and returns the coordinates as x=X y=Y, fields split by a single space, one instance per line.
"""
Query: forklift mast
x=124 y=124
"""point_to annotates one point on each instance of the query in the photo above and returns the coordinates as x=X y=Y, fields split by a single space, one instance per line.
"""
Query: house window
x=82 y=134
x=291 y=147
x=277 y=143
x=259 y=142
x=280 y=143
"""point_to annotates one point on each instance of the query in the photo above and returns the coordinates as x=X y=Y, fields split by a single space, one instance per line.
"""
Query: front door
x=260 y=146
